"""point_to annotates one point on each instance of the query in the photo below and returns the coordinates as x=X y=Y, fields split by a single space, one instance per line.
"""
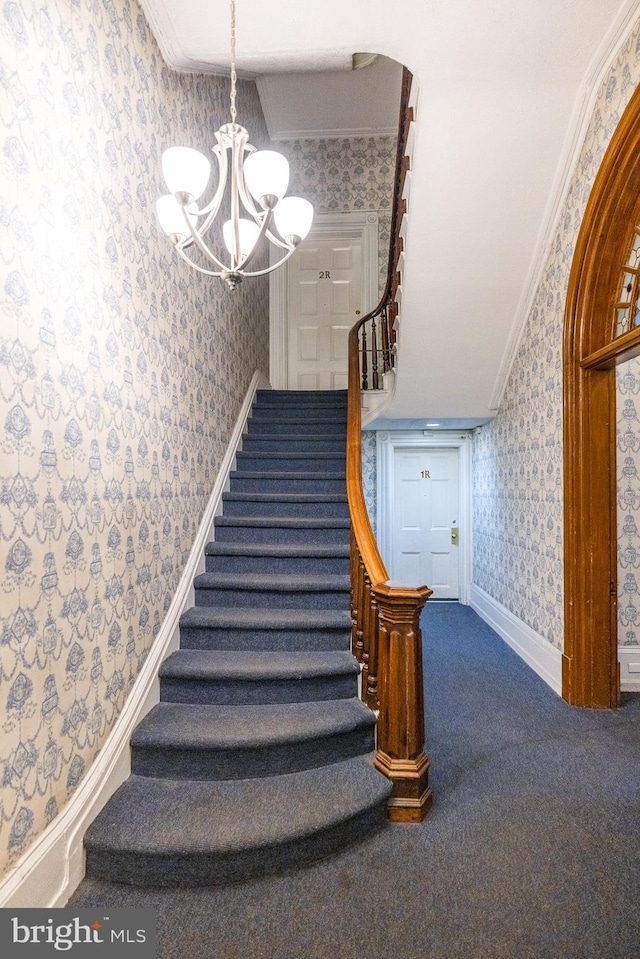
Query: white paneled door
x=425 y=518
x=325 y=297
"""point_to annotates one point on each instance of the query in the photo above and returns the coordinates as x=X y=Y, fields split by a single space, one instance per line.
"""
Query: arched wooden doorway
x=598 y=335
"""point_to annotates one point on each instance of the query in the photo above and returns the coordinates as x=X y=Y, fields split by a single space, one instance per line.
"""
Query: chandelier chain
x=233 y=62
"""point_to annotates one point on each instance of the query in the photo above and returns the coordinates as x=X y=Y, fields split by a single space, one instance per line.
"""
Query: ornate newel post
x=400 y=753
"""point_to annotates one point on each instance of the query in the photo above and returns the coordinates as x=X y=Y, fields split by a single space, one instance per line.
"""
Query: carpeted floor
x=532 y=850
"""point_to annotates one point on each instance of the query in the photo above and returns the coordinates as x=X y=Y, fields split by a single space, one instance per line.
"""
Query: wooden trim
x=590 y=675
x=618 y=351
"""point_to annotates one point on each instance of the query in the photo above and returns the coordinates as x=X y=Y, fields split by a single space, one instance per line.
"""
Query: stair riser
x=273 y=484
x=274 y=534
x=254 y=444
x=273 y=599
x=265 y=640
x=291 y=464
x=297 y=510
x=278 y=564
x=259 y=693
x=249 y=763
x=156 y=870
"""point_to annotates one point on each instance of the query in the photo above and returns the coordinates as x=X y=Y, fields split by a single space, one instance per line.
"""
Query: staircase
x=259 y=755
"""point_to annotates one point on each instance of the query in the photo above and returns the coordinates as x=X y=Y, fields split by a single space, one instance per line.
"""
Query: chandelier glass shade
x=257 y=181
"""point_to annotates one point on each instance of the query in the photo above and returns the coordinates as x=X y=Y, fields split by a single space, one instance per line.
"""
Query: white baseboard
x=629 y=659
x=53 y=866
x=537 y=653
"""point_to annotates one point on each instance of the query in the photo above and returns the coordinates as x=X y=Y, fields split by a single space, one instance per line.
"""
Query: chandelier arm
x=195 y=266
x=245 y=196
x=202 y=246
x=273 y=266
x=277 y=241
x=212 y=208
x=264 y=223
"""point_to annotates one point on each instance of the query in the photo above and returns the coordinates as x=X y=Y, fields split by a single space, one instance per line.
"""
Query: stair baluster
x=374 y=355
x=364 y=359
x=386 y=347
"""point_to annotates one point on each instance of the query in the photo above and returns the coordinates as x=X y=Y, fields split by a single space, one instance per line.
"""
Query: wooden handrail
x=386 y=635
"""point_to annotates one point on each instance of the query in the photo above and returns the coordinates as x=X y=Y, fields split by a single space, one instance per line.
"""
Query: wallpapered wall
x=121 y=375
x=518 y=506
x=370 y=474
x=628 y=477
x=346 y=176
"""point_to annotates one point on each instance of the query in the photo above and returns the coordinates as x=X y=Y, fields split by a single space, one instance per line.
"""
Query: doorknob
x=454 y=535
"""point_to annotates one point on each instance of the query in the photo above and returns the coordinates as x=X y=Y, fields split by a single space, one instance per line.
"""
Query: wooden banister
x=386 y=635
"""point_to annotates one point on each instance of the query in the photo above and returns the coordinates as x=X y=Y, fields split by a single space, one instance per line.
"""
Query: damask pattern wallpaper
x=122 y=372
x=518 y=504
x=628 y=481
x=369 y=474
x=347 y=175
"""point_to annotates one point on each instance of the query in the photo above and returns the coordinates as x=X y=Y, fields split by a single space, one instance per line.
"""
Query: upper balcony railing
x=377 y=330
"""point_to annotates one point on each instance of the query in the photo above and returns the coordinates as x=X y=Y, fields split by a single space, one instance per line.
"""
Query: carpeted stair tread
x=256 y=666
x=332 y=442
x=287 y=438
x=301 y=397
x=272 y=428
x=198 y=726
x=266 y=415
x=285 y=497
x=161 y=832
x=276 y=550
x=288 y=522
x=230 y=616
x=287 y=454
x=273 y=581
x=284 y=475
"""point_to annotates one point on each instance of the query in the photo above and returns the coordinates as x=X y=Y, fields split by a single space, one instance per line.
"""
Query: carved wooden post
x=400 y=754
x=359 y=592
x=372 y=671
x=367 y=629
x=354 y=562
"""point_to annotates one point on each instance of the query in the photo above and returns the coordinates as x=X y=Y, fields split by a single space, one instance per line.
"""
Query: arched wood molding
x=590 y=673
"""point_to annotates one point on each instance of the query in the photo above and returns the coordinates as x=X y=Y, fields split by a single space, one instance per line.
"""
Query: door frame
x=386 y=445
x=343 y=226
x=590 y=668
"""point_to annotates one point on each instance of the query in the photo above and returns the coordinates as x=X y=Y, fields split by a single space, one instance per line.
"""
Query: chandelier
x=258 y=183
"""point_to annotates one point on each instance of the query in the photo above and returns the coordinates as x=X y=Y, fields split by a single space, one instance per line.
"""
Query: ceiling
x=504 y=90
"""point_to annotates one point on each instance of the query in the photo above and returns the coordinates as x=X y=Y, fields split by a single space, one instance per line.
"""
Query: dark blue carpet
x=532 y=850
